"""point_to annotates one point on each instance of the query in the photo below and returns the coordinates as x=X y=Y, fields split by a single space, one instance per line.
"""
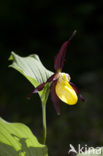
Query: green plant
x=17 y=138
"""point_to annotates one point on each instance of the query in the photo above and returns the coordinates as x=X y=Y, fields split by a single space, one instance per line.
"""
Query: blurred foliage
x=41 y=27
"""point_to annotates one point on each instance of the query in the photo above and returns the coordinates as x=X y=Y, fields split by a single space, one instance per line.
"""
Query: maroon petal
x=54 y=98
x=60 y=58
x=36 y=90
x=52 y=78
x=77 y=91
x=39 y=88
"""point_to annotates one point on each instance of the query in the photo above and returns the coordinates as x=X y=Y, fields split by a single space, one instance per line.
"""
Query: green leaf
x=32 y=68
x=16 y=139
x=98 y=151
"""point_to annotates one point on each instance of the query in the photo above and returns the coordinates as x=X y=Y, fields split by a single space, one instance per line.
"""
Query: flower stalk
x=44 y=123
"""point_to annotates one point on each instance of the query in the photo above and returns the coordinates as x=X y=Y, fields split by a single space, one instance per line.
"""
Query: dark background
x=41 y=27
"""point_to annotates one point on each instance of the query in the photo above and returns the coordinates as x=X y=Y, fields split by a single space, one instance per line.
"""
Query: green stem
x=44 y=123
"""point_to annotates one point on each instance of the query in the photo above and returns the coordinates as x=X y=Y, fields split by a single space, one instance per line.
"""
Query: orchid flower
x=62 y=89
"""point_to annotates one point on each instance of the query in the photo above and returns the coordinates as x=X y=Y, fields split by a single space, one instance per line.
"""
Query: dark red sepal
x=56 y=101
x=60 y=58
x=77 y=91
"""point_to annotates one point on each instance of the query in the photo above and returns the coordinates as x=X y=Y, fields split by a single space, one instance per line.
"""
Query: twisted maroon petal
x=54 y=98
x=77 y=91
x=39 y=88
x=60 y=58
x=36 y=90
x=52 y=78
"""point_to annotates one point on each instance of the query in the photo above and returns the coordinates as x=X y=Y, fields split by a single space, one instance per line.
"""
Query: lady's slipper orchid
x=61 y=86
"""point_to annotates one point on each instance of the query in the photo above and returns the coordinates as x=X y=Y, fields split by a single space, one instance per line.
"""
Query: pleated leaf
x=16 y=139
x=32 y=68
